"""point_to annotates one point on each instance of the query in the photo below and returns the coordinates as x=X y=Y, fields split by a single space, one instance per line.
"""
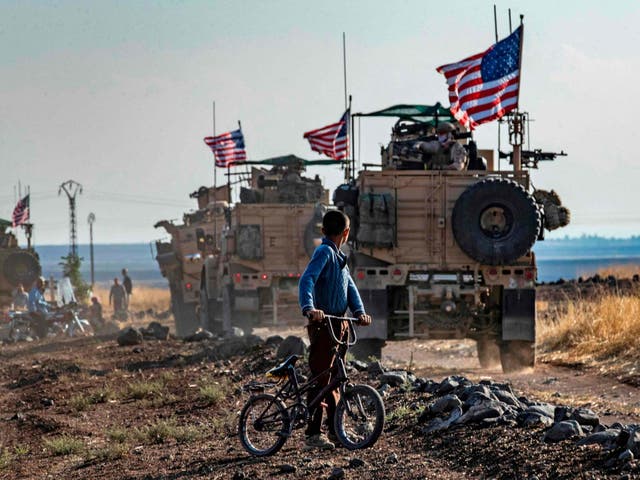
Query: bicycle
x=266 y=422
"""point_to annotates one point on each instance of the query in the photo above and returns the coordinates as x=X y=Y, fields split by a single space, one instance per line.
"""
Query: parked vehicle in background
x=17 y=265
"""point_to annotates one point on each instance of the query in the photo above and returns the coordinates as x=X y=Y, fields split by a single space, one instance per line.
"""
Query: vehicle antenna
x=344 y=66
x=510 y=29
x=353 y=147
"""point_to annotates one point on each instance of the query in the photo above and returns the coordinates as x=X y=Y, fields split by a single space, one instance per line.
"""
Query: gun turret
x=530 y=158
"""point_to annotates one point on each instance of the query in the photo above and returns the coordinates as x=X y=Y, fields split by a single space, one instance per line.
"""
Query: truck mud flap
x=246 y=303
x=519 y=314
x=376 y=305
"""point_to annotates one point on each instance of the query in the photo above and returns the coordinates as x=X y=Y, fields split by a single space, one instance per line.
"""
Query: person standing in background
x=126 y=283
x=118 y=298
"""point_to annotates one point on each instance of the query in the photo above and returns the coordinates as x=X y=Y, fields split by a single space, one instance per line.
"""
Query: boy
x=327 y=288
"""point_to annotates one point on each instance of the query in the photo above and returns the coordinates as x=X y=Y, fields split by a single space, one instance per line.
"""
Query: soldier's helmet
x=445 y=127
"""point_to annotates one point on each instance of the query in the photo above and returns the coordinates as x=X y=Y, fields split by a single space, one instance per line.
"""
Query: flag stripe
x=228 y=148
x=21 y=212
x=485 y=86
x=331 y=140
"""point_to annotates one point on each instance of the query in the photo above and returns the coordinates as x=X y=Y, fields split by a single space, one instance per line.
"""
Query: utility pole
x=91 y=219
x=72 y=188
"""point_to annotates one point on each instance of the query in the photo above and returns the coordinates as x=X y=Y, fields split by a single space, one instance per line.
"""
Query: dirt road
x=87 y=408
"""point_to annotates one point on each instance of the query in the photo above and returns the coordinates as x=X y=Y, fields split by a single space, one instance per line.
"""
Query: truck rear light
x=360 y=274
x=291 y=275
x=297 y=275
x=188 y=286
x=528 y=274
x=397 y=272
x=493 y=272
x=264 y=276
x=237 y=277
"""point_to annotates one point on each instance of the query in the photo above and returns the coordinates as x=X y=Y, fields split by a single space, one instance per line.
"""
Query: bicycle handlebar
x=352 y=330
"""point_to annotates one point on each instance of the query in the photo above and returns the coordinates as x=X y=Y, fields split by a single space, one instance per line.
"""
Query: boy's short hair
x=334 y=222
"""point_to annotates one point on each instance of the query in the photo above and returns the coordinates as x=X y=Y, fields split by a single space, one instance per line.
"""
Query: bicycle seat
x=281 y=370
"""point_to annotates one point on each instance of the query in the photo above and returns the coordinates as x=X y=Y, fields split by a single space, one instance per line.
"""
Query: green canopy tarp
x=432 y=114
x=289 y=160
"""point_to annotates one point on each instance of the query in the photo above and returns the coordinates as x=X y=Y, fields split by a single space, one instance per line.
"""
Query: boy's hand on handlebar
x=364 y=319
x=315 y=315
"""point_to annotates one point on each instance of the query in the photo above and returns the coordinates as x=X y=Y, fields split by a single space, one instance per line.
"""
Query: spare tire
x=495 y=221
x=21 y=267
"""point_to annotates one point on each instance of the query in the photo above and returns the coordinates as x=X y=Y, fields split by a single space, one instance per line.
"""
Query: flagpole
x=517 y=146
x=353 y=155
x=215 y=167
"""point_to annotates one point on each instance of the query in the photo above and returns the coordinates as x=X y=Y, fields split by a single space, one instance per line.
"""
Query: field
x=88 y=408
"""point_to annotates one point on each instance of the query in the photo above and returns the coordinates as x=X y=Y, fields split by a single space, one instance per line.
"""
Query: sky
x=118 y=96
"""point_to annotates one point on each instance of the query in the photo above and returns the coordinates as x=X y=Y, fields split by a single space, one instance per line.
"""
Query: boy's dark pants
x=321 y=357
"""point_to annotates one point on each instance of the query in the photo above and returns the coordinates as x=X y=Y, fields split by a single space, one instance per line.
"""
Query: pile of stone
x=457 y=401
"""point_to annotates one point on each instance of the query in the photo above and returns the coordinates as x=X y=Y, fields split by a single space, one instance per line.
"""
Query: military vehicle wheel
x=488 y=352
x=21 y=267
x=185 y=317
x=495 y=221
x=516 y=355
x=210 y=313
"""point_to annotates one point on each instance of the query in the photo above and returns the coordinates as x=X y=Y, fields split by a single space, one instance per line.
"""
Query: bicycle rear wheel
x=264 y=425
x=359 y=417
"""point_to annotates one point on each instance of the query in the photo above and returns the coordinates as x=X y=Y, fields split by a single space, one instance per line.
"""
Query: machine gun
x=530 y=158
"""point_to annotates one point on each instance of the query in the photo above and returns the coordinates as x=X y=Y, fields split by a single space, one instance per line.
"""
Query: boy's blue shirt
x=326 y=283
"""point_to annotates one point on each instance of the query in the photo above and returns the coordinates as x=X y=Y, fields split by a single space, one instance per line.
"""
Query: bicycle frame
x=292 y=390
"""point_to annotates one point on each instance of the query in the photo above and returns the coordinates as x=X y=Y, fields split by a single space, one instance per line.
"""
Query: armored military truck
x=440 y=253
x=181 y=258
x=17 y=265
x=271 y=234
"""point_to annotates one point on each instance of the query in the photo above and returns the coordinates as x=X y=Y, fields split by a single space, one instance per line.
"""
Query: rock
x=46 y=402
x=429 y=386
x=138 y=450
x=336 y=474
x=384 y=388
x=633 y=443
x=534 y=419
x=561 y=413
x=155 y=331
x=445 y=404
x=563 y=431
x=199 y=336
x=286 y=468
x=478 y=398
x=478 y=413
x=273 y=340
x=584 y=416
x=607 y=439
x=507 y=397
x=237 y=332
x=542 y=408
x=395 y=378
x=439 y=424
x=239 y=475
x=447 y=385
x=375 y=369
x=626 y=456
x=391 y=458
x=358 y=365
x=129 y=336
x=356 y=463
x=291 y=345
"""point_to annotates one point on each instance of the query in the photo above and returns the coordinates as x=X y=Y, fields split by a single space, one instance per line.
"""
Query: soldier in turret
x=443 y=153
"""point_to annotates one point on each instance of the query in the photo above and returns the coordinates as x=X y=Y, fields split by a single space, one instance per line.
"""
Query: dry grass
x=142 y=299
x=605 y=329
x=620 y=271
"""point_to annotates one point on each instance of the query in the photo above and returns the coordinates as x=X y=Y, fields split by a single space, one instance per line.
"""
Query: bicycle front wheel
x=359 y=417
x=264 y=425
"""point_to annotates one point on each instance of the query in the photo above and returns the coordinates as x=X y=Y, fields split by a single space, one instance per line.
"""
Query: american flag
x=332 y=140
x=485 y=86
x=228 y=148
x=20 y=214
